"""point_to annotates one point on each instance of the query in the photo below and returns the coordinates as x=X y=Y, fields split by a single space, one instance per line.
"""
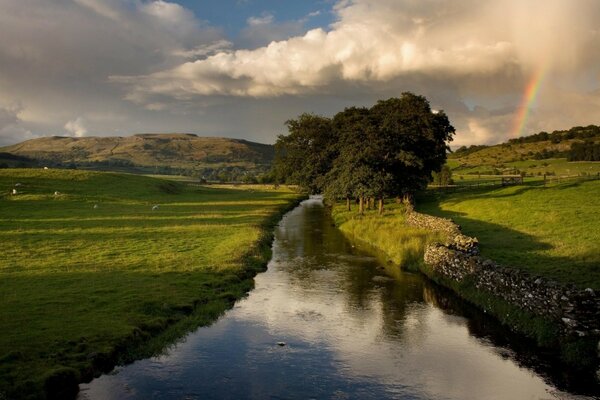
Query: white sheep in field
x=95 y=206
x=17 y=184
x=56 y=193
x=14 y=191
x=155 y=207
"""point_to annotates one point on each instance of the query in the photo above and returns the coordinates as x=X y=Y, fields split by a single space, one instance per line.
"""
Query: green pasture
x=89 y=272
x=550 y=231
x=536 y=168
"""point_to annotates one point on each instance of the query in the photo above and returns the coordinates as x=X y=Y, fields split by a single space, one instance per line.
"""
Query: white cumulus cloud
x=76 y=127
x=383 y=40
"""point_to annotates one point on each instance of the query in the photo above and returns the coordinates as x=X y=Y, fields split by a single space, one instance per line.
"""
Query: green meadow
x=550 y=231
x=532 y=168
x=91 y=275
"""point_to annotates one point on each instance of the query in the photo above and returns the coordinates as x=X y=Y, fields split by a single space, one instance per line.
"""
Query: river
x=326 y=321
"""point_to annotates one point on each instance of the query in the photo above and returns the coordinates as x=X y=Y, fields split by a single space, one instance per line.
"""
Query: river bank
x=93 y=274
x=559 y=317
x=325 y=321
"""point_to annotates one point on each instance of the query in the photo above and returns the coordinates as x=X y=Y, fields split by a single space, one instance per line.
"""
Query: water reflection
x=350 y=333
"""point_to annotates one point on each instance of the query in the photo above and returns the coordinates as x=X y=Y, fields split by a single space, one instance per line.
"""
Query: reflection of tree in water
x=398 y=301
x=316 y=254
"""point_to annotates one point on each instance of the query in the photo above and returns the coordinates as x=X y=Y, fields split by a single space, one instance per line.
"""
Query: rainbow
x=529 y=97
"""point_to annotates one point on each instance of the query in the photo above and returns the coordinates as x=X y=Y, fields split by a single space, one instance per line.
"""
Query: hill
x=542 y=153
x=178 y=153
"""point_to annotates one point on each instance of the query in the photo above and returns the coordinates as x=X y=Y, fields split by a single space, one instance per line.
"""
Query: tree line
x=576 y=132
x=584 y=151
x=388 y=150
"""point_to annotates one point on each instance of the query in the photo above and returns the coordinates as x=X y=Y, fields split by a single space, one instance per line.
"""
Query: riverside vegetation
x=91 y=275
x=392 y=150
x=544 y=231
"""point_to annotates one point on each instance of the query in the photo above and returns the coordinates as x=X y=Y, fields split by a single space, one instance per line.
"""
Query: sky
x=241 y=68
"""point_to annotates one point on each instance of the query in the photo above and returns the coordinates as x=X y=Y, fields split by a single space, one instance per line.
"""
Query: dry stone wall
x=576 y=310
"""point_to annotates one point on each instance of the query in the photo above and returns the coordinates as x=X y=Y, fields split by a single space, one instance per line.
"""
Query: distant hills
x=562 y=152
x=225 y=159
x=172 y=153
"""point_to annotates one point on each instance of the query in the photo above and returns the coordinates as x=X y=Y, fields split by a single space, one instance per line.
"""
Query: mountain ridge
x=148 y=152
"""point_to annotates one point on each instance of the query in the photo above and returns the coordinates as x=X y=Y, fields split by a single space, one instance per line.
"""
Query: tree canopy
x=388 y=150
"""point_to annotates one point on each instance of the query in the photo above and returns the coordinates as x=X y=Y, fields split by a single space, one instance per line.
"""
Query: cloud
x=264 y=29
x=76 y=127
x=371 y=41
x=478 y=52
x=205 y=50
x=56 y=57
x=11 y=130
x=156 y=66
x=265 y=19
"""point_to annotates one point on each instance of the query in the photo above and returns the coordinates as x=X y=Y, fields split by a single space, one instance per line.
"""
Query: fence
x=490 y=181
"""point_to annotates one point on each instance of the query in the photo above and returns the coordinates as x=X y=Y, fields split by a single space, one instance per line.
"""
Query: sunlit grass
x=403 y=245
x=76 y=281
x=537 y=168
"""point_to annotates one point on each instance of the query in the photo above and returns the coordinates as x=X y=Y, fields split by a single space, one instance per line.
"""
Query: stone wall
x=576 y=310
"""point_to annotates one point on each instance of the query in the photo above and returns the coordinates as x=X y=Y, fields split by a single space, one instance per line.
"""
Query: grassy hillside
x=550 y=231
x=533 y=155
x=152 y=153
x=90 y=275
x=516 y=159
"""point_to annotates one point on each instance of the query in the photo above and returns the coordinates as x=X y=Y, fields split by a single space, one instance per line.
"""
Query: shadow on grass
x=484 y=192
x=82 y=324
x=513 y=248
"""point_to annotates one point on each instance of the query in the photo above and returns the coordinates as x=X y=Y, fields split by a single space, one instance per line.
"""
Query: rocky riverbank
x=457 y=263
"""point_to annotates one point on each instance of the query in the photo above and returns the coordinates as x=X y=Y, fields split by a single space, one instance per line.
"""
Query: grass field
x=550 y=231
x=88 y=276
x=403 y=245
x=535 y=168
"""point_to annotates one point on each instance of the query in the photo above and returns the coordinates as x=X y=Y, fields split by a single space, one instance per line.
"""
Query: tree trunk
x=372 y=201
x=348 y=203
x=409 y=202
x=367 y=203
x=361 y=205
x=380 y=206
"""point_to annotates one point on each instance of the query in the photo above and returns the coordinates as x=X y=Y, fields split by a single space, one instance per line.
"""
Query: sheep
x=17 y=184
x=57 y=193
x=155 y=207
x=95 y=206
x=14 y=191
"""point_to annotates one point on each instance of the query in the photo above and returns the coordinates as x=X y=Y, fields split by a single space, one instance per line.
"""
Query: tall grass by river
x=90 y=273
x=402 y=245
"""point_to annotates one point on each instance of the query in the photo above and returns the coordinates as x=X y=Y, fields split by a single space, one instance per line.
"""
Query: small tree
x=443 y=177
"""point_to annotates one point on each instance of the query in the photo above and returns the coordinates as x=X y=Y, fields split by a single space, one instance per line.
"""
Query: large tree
x=389 y=150
x=414 y=141
x=304 y=156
